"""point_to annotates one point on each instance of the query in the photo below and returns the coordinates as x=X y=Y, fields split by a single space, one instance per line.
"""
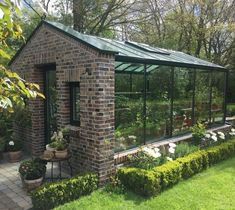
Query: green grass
x=210 y=190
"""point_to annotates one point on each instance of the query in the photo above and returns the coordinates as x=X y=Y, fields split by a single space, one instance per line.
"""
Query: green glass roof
x=129 y=54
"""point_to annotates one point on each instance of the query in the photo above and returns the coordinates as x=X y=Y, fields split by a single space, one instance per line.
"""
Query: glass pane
x=158 y=104
x=128 y=110
x=202 y=96
x=76 y=103
x=182 y=103
x=218 y=85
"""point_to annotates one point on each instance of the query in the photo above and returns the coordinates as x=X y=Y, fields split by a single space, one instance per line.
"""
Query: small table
x=52 y=159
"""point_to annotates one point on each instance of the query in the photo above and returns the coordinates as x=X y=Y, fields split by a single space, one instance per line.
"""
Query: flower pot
x=32 y=184
x=61 y=154
x=51 y=149
x=14 y=156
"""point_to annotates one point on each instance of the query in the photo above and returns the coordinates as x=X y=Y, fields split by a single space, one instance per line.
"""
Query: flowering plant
x=32 y=169
x=58 y=142
x=13 y=146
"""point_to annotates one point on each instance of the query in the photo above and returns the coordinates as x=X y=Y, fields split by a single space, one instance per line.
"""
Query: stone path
x=12 y=195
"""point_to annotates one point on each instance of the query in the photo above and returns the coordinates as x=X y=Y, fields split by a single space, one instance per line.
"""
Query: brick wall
x=92 y=143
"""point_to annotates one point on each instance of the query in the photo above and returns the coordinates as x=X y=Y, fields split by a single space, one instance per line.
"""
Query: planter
x=51 y=149
x=30 y=185
x=61 y=154
x=14 y=156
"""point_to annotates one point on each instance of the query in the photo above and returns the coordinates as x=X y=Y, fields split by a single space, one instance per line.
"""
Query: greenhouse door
x=50 y=102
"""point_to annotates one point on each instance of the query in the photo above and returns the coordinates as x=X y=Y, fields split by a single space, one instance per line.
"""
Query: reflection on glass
x=158 y=103
x=218 y=84
x=128 y=110
x=202 y=97
x=182 y=103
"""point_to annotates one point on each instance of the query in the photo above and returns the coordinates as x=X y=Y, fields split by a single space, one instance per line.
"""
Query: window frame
x=73 y=85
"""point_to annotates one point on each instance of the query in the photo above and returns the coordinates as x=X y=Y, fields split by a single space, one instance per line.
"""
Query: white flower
x=132 y=137
x=214 y=138
x=11 y=143
x=222 y=137
x=207 y=135
x=60 y=135
x=168 y=158
x=151 y=152
x=212 y=133
x=156 y=154
x=233 y=130
x=156 y=149
x=172 y=150
x=172 y=145
x=220 y=133
x=122 y=138
x=232 y=133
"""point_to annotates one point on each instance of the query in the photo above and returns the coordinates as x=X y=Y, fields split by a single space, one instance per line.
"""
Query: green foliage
x=54 y=194
x=13 y=89
x=13 y=145
x=170 y=174
x=114 y=186
x=140 y=181
x=183 y=149
x=152 y=182
x=198 y=132
x=2 y=144
x=145 y=161
x=32 y=169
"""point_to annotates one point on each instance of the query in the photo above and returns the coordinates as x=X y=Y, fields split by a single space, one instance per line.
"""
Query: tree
x=13 y=89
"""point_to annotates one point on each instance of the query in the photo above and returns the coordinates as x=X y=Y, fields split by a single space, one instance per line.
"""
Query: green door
x=50 y=103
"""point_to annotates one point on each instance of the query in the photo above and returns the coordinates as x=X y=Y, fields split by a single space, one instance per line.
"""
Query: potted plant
x=58 y=145
x=32 y=173
x=14 y=149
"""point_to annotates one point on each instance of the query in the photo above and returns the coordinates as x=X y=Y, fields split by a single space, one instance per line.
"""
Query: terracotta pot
x=61 y=154
x=51 y=149
x=14 y=156
x=32 y=184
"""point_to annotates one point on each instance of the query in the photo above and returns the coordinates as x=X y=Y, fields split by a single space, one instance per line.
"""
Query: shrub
x=198 y=132
x=54 y=194
x=193 y=163
x=183 y=149
x=144 y=161
x=170 y=174
x=140 y=181
x=152 y=182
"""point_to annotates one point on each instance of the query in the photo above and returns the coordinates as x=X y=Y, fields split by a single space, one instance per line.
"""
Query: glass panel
x=128 y=110
x=182 y=103
x=158 y=104
x=76 y=103
x=218 y=85
x=202 y=96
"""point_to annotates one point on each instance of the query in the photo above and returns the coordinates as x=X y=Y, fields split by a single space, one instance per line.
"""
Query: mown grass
x=210 y=190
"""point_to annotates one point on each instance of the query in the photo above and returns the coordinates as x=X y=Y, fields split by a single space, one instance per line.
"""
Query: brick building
x=72 y=67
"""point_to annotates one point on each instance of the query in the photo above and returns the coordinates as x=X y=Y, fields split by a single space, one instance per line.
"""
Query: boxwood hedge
x=54 y=194
x=152 y=182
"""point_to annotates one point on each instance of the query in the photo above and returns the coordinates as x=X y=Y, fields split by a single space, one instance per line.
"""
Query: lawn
x=209 y=190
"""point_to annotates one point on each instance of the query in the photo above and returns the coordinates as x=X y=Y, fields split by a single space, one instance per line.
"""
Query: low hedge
x=54 y=194
x=152 y=182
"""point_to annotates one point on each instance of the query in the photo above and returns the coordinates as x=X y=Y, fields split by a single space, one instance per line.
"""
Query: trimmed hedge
x=152 y=182
x=54 y=194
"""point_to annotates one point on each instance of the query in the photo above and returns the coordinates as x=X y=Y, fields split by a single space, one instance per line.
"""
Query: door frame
x=46 y=68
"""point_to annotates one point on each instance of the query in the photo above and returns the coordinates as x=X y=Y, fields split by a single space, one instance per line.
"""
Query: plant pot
x=61 y=154
x=14 y=156
x=32 y=184
x=51 y=149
